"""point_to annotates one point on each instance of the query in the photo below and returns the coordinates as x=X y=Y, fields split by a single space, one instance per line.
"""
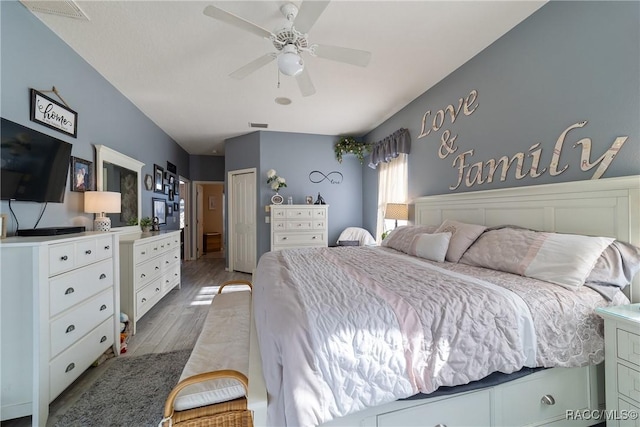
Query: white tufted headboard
x=606 y=207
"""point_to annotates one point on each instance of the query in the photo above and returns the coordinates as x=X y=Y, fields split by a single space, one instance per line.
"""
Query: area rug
x=130 y=392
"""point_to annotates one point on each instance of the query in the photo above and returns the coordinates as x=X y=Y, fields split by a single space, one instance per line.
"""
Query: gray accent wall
x=206 y=168
x=32 y=56
x=569 y=62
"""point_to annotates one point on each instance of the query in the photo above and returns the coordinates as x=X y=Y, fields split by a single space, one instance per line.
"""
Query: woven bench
x=213 y=387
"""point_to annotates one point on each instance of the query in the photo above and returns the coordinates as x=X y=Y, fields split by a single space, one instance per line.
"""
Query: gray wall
x=32 y=56
x=568 y=62
x=295 y=156
x=206 y=168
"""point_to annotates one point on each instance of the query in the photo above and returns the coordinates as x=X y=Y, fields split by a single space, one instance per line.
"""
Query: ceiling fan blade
x=305 y=84
x=308 y=14
x=357 y=57
x=252 y=66
x=236 y=21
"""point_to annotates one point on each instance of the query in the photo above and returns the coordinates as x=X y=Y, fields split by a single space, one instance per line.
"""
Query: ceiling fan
x=291 y=41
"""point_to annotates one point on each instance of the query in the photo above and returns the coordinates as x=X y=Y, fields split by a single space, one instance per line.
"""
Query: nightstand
x=622 y=363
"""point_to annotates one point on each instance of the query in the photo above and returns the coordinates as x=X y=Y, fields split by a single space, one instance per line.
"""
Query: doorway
x=242 y=220
x=209 y=213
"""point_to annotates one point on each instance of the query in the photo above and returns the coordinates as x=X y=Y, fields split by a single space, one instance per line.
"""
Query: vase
x=277 y=199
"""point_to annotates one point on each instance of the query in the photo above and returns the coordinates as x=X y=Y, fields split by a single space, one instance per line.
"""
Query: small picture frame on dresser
x=3 y=226
x=309 y=200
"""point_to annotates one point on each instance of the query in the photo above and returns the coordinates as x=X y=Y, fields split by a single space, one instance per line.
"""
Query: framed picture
x=176 y=206
x=172 y=180
x=169 y=209
x=52 y=114
x=176 y=187
x=309 y=200
x=171 y=197
x=81 y=175
x=166 y=189
x=172 y=168
x=158 y=184
x=160 y=210
x=148 y=182
x=212 y=203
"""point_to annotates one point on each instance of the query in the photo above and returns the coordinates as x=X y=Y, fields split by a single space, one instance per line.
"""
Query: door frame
x=187 y=217
x=194 y=215
x=230 y=230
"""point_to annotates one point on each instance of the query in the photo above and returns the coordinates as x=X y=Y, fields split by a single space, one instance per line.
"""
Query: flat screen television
x=33 y=166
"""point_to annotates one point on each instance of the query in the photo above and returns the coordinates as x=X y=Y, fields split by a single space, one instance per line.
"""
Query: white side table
x=622 y=364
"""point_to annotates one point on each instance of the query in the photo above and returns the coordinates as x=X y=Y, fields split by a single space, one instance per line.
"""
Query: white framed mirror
x=118 y=172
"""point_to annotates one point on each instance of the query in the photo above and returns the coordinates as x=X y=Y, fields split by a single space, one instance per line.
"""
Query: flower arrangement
x=276 y=182
x=348 y=144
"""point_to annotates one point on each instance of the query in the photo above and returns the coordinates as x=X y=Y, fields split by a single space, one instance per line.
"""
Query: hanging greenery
x=349 y=145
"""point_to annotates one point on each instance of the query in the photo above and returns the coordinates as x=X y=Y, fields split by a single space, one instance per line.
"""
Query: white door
x=199 y=224
x=242 y=220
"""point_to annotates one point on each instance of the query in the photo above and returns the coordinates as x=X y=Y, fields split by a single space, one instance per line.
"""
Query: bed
x=373 y=326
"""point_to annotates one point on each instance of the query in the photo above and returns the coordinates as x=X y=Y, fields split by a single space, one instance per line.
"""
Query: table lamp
x=396 y=211
x=101 y=203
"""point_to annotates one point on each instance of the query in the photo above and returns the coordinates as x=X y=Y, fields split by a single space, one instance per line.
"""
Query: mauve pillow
x=400 y=239
x=617 y=265
x=462 y=236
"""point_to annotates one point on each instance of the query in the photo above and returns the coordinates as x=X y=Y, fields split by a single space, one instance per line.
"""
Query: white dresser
x=59 y=298
x=299 y=226
x=622 y=363
x=149 y=269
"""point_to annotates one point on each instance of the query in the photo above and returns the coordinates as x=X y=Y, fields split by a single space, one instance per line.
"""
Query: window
x=392 y=188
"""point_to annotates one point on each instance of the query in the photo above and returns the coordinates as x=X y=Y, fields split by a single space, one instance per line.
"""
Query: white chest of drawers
x=622 y=363
x=149 y=269
x=59 y=298
x=299 y=226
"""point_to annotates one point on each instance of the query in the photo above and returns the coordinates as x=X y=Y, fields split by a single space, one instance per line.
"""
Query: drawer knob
x=314 y=237
x=64 y=258
x=103 y=276
x=69 y=291
x=103 y=307
x=106 y=248
x=284 y=238
x=88 y=252
x=144 y=300
x=143 y=253
x=166 y=262
x=547 y=399
x=157 y=289
x=157 y=268
x=103 y=339
x=70 y=367
x=155 y=249
x=70 y=328
x=143 y=275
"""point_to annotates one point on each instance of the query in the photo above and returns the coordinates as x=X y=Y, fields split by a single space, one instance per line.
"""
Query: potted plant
x=145 y=224
x=349 y=145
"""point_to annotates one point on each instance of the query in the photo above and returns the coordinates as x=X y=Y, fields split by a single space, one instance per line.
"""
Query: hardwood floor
x=172 y=324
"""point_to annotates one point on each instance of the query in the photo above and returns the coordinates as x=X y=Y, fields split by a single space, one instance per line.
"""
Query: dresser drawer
x=143 y=252
x=71 y=288
x=279 y=225
x=86 y=252
x=65 y=368
x=171 y=278
x=522 y=400
x=628 y=346
x=319 y=224
x=319 y=213
x=170 y=258
x=299 y=225
x=147 y=297
x=146 y=272
x=104 y=247
x=279 y=213
x=299 y=239
x=629 y=382
x=71 y=326
x=473 y=409
x=299 y=213
x=61 y=258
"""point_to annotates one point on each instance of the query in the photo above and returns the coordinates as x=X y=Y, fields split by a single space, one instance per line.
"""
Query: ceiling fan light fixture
x=289 y=62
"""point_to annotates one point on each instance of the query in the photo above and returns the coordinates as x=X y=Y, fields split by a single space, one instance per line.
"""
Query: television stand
x=50 y=231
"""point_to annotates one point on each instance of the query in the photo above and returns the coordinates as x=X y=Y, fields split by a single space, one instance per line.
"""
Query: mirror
x=117 y=172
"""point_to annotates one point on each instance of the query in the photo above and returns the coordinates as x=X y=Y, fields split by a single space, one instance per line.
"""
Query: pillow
x=563 y=259
x=431 y=246
x=400 y=239
x=462 y=236
x=616 y=266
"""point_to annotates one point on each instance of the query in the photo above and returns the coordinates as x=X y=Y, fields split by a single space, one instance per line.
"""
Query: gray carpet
x=130 y=392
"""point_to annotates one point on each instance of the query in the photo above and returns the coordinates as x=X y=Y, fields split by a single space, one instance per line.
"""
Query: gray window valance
x=390 y=147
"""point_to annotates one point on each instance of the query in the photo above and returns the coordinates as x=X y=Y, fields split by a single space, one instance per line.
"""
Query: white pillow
x=563 y=259
x=462 y=236
x=431 y=246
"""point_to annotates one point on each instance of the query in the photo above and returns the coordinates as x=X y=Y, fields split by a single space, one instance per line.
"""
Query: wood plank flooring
x=172 y=324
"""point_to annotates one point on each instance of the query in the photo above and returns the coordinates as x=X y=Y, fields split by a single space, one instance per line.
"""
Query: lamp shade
x=396 y=211
x=102 y=202
x=289 y=62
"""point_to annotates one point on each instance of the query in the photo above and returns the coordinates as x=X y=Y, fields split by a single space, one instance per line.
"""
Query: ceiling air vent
x=66 y=8
x=258 y=125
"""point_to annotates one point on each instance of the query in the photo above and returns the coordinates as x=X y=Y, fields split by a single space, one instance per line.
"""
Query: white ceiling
x=173 y=62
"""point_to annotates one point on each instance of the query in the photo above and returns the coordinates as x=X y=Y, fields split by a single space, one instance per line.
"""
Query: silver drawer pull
x=175 y=274
x=103 y=307
x=157 y=289
x=70 y=367
x=155 y=249
x=106 y=248
x=143 y=275
x=157 y=268
x=314 y=237
x=70 y=328
x=88 y=252
x=166 y=281
x=175 y=257
x=103 y=339
x=162 y=246
x=284 y=238
x=166 y=262
x=143 y=253
x=69 y=291
x=144 y=300
x=64 y=258
x=547 y=399
x=103 y=276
